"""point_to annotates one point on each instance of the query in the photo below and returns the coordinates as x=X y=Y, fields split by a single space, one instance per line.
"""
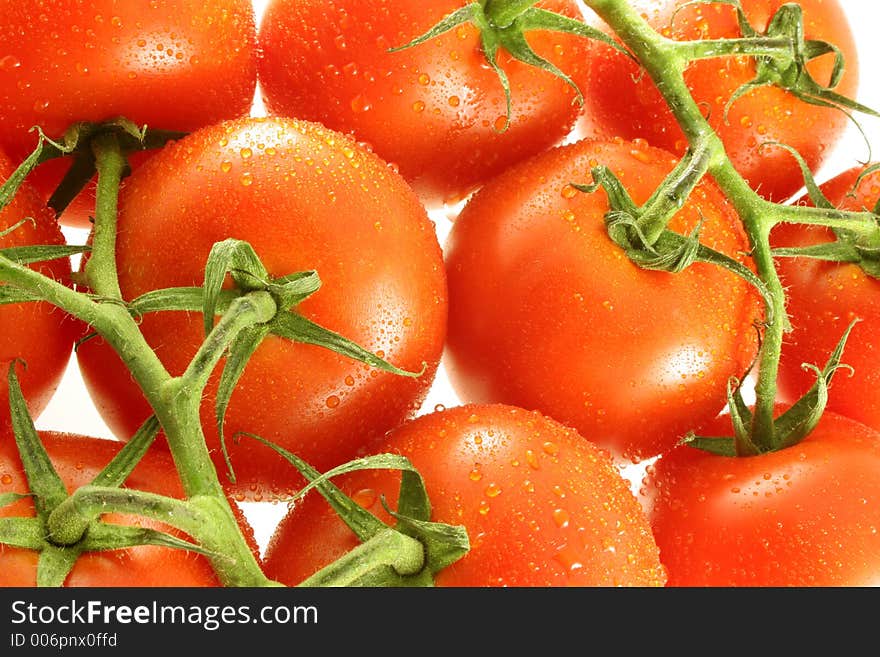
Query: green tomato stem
x=100 y=269
x=501 y=13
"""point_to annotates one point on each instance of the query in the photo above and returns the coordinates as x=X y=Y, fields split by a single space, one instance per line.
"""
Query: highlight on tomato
x=547 y=313
x=622 y=101
x=824 y=297
x=78 y=459
x=170 y=64
x=542 y=506
x=306 y=198
x=802 y=516
x=37 y=334
x=436 y=110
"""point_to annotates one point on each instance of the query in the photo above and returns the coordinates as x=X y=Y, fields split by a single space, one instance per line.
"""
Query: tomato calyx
x=788 y=429
x=856 y=243
x=408 y=554
x=66 y=526
x=787 y=68
x=641 y=230
x=504 y=24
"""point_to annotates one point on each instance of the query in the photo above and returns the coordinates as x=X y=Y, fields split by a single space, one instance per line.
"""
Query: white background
x=71 y=409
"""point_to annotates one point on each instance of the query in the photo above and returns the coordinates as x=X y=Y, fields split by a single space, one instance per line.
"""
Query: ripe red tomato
x=803 y=516
x=435 y=110
x=823 y=298
x=78 y=459
x=546 y=312
x=170 y=64
x=622 y=102
x=542 y=506
x=305 y=198
x=39 y=334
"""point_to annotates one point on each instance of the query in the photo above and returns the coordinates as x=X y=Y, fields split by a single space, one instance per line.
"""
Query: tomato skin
x=78 y=459
x=434 y=110
x=37 y=333
x=622 y=102
x=305 y=198
x=542 y=506
x=802 y=516
x=547 y=313
x=823 y=298
x=169 y=64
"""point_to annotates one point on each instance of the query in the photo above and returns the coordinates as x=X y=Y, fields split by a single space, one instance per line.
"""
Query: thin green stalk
x=100 y=269
x=747 y=46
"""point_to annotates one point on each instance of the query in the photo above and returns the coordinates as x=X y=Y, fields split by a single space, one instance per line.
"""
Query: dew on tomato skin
x=9 y=63
x=6 y=479
x=493 y=490
x=475 y=474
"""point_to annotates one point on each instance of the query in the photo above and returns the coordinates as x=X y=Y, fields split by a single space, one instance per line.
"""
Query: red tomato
x=435 y=110
x=170 y=64
x=622 y=102
x=823 y=298
x=802 y=516
x=78 y=459
x=305 y=198
x=37 y=333
x=546 y=312
x=542 y=506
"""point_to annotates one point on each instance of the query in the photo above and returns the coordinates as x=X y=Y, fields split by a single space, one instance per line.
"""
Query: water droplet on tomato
x=550 y=448
x=246 y=179
x=246 y=153
x=365 y=498
x=483 y=507
x=9 y=63
x=475 y=474
x=561 y=518
x=424 y=79
x=6 y=479
x=332 y=401
x=41 y=105
x=493 y=490
x=361 y=103
x=500 y=122
x=418 y=106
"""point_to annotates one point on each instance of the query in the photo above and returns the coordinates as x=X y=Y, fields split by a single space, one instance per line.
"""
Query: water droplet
x=246 y=153
x=349 y=380
x=560 y=517
x=532 y=459
x=475 y=474
x=9 y=63
x=365 y=497
x=550 y=448
x=439 y=408
x=41 y=105
x=484 y=507
x=569 y=192
x=424 y=79
x=454 y=101
x=360 y=103
x=6 y=479
x=500 y=122
x=493 y=490
x=332 y=401
x=418 y=106
x=247 y=179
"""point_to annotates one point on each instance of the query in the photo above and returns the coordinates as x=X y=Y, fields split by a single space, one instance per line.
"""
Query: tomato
x=169 y=64
x=542 y=506
x=436 y=110
x=622 y=102
x=803 y=516
x=823 y=298
x=36 y=333
x=78 y=459
x=546 y=312
x=305 y=198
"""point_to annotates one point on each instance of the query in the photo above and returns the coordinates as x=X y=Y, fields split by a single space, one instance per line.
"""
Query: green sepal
x=718 y=445
x=11 y=498
x=802 y=417
x=121 y=466
x=741 y=420
x=238 y=355
x=106 y=536
x=466 y=14
x=43 y=480
x=813 y=190
x=294 y=326
x=25 y=255
x=238 y=259
x=26 y=533
x=54 y=565
x=180 y=299
x=363 y=523
x=40 y=154
x=293 y=289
